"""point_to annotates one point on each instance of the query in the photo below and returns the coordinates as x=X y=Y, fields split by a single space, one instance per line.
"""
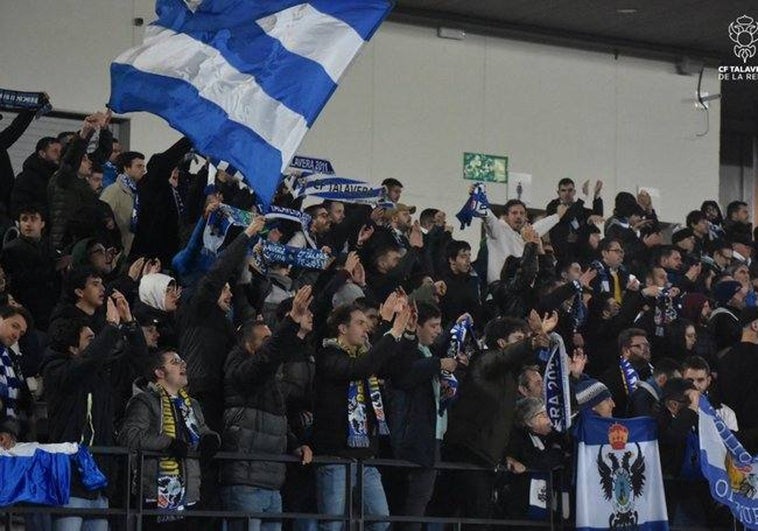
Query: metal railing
x=131 y=509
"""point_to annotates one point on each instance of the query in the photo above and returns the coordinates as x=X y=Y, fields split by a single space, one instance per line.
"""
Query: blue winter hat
x=591 y=392
x=725 y=290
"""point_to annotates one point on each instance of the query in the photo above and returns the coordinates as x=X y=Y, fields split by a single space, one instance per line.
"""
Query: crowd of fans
x=119 y=328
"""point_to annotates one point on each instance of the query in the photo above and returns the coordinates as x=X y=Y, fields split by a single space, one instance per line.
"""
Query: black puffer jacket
x=255 y=420
x=482 y=417
x=30 y=187
x=207 y=335
x=67 y=192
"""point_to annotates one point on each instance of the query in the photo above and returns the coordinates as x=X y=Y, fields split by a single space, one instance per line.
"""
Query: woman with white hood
x=158 y=300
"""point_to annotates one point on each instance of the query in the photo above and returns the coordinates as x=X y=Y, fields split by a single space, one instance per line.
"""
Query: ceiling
x=660 y=29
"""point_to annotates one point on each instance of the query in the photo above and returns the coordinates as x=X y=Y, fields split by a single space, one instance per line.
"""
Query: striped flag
x=244 y=79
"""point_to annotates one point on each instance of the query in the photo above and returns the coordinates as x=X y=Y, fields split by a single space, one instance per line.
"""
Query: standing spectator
x=122 y=195
x=737 y=226
x=255 y=419
x=30 y=186
x=633 y=347
x=156 y=229
x=319 y=226
x=724 y=321
x=162 y=417
x=565 y=234
x=79 y=391
x=487 y=397
x=15 y=398
x=504 y=234
x=417 y=424
x=349 y=414
x=207 y=331
x=68 y=190
x=738 y=369
x=461 y=284
x=33 y=266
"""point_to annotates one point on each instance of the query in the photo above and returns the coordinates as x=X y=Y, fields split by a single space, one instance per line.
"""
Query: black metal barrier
x=132 y=513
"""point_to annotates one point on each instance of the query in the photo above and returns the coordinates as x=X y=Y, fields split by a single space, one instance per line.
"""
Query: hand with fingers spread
x=387 y=308
x=301 y=303
x=137 y=268
x=598 y=187
x=152 y=266
x=587 y=277
x=401 y=322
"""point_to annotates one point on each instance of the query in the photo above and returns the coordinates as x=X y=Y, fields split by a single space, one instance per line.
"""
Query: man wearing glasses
x=634 y=362
x=612 y=278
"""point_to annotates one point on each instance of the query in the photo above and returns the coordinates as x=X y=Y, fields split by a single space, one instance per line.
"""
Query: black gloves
x=178 y=448
x=209 y=445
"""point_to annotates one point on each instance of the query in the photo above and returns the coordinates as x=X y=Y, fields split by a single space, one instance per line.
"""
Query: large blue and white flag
x=244 y=79
x=732 y=473
x=619 y=484
x=41 y=473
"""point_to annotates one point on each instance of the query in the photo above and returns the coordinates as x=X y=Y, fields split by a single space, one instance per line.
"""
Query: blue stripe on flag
x=596 y=432
x=250 y=52
x=176 y=101
x=364 y=16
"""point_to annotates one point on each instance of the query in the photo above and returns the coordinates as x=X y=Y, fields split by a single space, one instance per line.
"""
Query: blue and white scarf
x=311 y=165
x=358 y=435
x=219 y=222
x=132 y=187
x=10 y=384
x=459 y=348
x=339 y=189
x=271 y=253
x=476 y=206
x=556 y=390
x=578 y=309
x=290 y=214
x=629 y=376
x=14 y=100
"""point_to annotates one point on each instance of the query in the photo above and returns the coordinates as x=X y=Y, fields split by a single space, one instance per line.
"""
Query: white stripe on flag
x=305 y=31
x=179 y=56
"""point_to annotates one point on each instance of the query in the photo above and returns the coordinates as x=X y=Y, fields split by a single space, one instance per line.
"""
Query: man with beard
x=634 y=348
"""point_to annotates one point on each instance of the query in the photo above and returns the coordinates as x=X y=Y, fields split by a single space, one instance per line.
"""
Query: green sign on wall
x=486 y=168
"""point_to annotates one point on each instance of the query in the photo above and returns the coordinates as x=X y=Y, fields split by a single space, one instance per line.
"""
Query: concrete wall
x=413 y=103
